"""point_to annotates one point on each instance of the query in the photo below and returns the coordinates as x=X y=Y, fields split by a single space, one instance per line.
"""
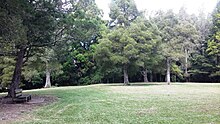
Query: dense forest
x=66 y=42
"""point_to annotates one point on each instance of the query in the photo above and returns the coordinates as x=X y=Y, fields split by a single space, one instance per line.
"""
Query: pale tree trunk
x=17 y=73
x=144 y=73
x=48 y=83
x=186 y=65
x=125 y=70
x=168 y=71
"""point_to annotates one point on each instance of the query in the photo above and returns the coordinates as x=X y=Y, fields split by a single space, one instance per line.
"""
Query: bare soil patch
x=13 y=111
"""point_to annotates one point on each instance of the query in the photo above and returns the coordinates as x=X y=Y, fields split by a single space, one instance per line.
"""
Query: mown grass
x=136 y=104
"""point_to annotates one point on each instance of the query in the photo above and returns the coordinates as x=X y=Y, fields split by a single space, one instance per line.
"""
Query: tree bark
x=160 y=78
x=186 y=61
x=17 y=72
x=151 y=76
x=217 y=59
x=125 y=70
x=144 y=73
x=186 y=65
x=48 y=83
x=168 y=71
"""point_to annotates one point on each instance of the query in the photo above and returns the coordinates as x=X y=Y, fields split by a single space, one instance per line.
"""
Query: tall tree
x=119 y=48
x=214 y=41
x=171 y=48
x=123 y=50
x=147 y=36
x=24 y=27
x=201 y=62
x=51 y=64
x=188 y=36
x=80 y=33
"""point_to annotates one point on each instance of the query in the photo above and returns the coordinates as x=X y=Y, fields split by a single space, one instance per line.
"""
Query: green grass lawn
x=136 y=104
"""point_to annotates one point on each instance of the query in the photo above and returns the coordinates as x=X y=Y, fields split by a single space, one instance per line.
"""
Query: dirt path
x=12 y=112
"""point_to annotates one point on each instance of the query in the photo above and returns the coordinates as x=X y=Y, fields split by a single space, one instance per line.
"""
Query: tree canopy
x=57 y=42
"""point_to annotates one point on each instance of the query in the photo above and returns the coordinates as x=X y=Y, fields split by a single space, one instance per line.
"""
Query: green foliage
x=123 y=12
x=213 y=43
x=118 y=48
x=177 y=71
x=213 y=46
x=71 y=41
x=78 y=43
x=6 y=70
x=171 y=47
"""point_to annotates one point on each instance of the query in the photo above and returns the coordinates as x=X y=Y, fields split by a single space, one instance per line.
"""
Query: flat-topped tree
x=24 y=27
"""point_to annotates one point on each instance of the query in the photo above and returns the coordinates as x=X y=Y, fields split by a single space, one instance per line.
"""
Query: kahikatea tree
x=202 y=64
x=24 y=27
x=147 y=36
x=122 y=47
x=119 y=49
x=187 y=36
x=214 y=41
x=170 y=46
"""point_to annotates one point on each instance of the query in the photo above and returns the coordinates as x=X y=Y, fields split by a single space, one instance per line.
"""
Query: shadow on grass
x=137 y=84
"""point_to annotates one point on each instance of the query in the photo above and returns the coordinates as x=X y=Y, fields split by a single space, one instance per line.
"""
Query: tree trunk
x=144 y=73
x=168 y=71
x=217 y=59
x=160 y=78
x=125 y=70
x=186 y=65
x=151 y=76
x=17 y=73
x=48 y=83
x=174 y=78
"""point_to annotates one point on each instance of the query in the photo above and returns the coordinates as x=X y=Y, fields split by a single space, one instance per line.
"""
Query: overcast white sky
x=193 y=6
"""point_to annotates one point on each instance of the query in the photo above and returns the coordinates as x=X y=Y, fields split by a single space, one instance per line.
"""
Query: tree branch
x=27 y=55
x=8 y=53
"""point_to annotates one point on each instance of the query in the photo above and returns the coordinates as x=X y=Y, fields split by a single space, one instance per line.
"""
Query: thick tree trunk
x=48 y=83
x=168 y=71
x=125 y=70
x=144 y=73
x=17 y=73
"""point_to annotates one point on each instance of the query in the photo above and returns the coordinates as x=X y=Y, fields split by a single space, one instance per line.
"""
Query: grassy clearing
x=136 y=104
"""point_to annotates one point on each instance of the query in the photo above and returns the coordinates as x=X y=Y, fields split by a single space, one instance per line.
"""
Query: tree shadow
x=137 y=84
